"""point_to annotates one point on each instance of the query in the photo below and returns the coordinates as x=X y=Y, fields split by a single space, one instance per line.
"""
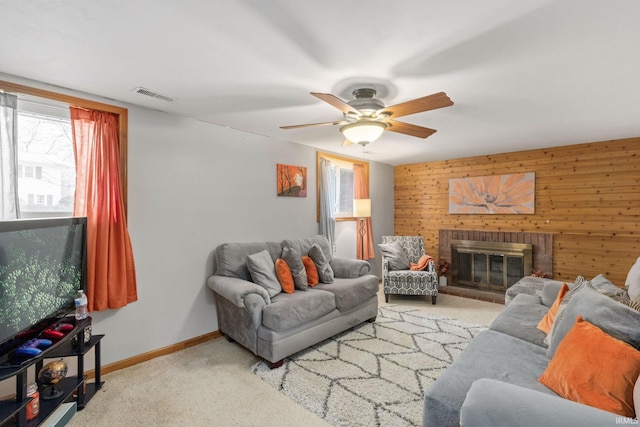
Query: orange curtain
x=111 y=275
x=361 y=191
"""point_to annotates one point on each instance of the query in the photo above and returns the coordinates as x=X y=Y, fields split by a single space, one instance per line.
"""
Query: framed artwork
x=292 y=180
x=495 y=194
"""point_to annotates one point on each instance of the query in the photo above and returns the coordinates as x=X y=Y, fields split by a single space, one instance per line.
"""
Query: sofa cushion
x=407 y=282
x=263 y=272
x=231 y=258
x=293 y=259
x=325 y=272
x=492 y=403
x=613 y=317
x=490 y=354
x=594 y=368
x=351 y=292
x=395 y=256
x=290 y=310
x=520 y=317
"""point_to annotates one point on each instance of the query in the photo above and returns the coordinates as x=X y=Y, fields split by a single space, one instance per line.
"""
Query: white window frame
x=51 y=111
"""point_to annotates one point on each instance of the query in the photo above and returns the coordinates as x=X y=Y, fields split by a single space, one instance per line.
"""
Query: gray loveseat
x=494 y=381
x=274 y=324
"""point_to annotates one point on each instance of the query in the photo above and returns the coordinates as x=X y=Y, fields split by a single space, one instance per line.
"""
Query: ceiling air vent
x=152 y=94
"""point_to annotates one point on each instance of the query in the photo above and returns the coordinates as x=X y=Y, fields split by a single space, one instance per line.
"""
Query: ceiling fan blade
x=336 y=102
x=346 y=142
x=409 y=129
x=340 y=122
x=426 y=103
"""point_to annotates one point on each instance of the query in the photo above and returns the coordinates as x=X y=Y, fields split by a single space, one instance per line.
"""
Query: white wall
x=381 y=182
x=193 y=186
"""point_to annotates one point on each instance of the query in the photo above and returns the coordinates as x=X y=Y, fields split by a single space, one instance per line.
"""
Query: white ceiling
x=522 y=74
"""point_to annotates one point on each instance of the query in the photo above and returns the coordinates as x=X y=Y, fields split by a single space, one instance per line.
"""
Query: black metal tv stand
x=74 y=388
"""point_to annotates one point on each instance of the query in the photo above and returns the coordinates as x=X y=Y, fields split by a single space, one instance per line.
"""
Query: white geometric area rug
x=374 y=374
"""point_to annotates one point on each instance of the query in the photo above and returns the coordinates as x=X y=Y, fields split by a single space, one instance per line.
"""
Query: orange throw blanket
x=421 y=264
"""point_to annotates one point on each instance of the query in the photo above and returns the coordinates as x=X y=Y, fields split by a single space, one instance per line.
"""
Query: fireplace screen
x=489 y=265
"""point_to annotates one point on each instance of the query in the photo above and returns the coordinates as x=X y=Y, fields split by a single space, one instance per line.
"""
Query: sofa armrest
x=236 y=290
x=348 y=268
x=493 y=403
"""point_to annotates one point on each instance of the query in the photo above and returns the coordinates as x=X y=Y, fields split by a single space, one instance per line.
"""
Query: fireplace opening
x=492 y=266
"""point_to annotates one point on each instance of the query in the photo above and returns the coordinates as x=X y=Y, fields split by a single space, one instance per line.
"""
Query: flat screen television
x=42 y=267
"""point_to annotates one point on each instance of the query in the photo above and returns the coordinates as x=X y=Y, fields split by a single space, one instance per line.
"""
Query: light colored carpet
x=376 y=373
x=212 y=384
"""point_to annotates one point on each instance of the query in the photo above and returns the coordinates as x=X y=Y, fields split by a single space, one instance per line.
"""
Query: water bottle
x=81 y=305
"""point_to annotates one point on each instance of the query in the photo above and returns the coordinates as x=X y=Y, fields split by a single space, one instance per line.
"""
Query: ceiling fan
x=366 y=117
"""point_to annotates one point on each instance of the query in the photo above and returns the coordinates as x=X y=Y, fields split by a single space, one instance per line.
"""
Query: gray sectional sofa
x=253 y=311
x=494 y=381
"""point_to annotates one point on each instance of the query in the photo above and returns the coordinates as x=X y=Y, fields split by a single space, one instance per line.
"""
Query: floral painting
x=292 y=180
x=495 y=194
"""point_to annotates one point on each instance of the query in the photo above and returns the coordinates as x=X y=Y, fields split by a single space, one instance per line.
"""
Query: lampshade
x=363 y=131
x=362 y=208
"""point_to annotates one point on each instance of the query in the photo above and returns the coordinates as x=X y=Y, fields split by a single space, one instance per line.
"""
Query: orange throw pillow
x=593 y=368
x=283 y=272
x=547 y=321
x=312 y=271
x=421 y=264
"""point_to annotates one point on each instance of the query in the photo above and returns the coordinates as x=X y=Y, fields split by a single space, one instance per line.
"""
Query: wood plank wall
x=587 y=195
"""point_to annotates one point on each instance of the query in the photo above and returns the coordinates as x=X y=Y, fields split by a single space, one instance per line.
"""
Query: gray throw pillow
x=550 y=293
x=394 y=255
x=606 y=287
x=299 y=273
x=263 y=272
x=325 y=272
x=578 y=285
x=612 y=317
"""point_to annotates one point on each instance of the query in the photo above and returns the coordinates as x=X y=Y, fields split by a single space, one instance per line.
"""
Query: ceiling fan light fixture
x=363 y=131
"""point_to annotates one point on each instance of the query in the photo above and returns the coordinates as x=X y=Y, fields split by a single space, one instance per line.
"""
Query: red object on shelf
x=33 y=407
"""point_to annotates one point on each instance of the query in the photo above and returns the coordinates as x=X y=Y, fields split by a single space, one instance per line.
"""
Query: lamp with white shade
x=363 y=131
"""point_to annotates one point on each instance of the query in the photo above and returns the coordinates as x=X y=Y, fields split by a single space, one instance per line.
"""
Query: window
x=46 y=164
x=45 y=153
x=343 y=169
x=110 y=265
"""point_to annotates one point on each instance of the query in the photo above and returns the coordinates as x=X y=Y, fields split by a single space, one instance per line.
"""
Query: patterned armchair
x=407 y=282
